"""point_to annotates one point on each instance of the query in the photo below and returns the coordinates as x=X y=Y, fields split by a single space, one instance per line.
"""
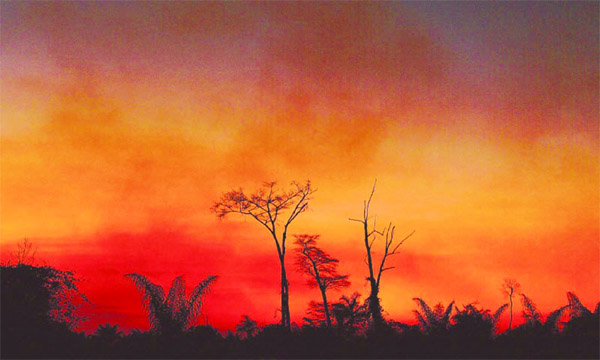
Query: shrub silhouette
x=531 y=314
x=350 y=315
x=108 y=332
x=433 y=321
x=473 y=323
x=39 y=303
x=174 y=312
x=247 y=328
x=582 y=321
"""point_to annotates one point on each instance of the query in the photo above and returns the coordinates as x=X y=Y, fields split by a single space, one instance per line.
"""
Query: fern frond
x=530 y=311
x=176 y=302
x=194 y=303
x=552 y=319
x=427 y=312
x=422 y=322
x=153 y=297
x=576 y=308
x=446 y=316
x=498 y=313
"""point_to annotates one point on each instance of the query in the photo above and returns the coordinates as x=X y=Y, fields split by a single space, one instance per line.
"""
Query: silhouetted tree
x=37 y=303
x=320 y=266
x=247 y=328
x=350 y=315
x=390 y=248
x=38 y=294
x=510 y=287
x=174 y=312
x=267 y=206
x=433 y=321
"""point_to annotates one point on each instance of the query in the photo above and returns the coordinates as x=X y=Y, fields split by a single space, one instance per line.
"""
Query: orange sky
x=122 y=122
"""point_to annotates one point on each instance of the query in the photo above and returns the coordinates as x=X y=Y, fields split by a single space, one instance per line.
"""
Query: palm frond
x=153 y=297
x=176 y=292
x=530 y=311
x=422 y=322
x=446 y=315
x=498 y=313
x=576 y=308
x=175 y=301
x=552 y=319
x=427 y=312
x=194 y=303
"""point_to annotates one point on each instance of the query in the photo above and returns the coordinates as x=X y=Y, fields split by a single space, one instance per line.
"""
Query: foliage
x=317 y=263
x=247 y=328
x=581 y=320
x=315 y=314
x=476 y=322
x=173 y=312
x=576 y=308
x=433 y=321
x=510 y=287
x=468 y=336
x=350 y=315
x=108 y=331
x=530 y=312
x=38 y=295
x=321 y=267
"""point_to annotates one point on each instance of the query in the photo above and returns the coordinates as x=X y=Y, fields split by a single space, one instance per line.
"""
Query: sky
x=123 y=122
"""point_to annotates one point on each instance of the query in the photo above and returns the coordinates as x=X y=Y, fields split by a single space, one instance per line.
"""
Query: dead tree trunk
x=374 y=278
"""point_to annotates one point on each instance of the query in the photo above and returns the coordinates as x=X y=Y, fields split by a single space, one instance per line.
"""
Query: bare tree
x=320 y=266
x=390 y=248
x=510 y=287
x=267 y=205
x=25 y=254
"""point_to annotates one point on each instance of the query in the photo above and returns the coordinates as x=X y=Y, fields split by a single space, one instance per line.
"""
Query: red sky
x=123 y=121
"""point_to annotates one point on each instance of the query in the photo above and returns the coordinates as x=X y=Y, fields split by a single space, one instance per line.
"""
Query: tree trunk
x=285 y=307
x=326 y=306
x=375 y=306
x=511 y=313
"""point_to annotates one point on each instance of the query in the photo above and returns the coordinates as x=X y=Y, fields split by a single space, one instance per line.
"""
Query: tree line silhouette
x=41 y=308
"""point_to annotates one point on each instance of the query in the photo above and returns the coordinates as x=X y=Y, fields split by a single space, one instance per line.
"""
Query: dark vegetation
x=41 y=310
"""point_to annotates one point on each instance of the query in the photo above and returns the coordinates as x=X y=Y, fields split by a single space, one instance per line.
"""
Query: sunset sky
x=122 y=122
